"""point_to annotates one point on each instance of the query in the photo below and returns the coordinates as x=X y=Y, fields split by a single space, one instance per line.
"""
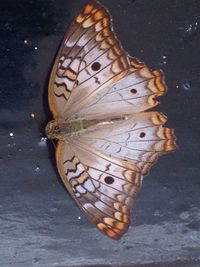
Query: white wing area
x=139 y=140
x=103 y=188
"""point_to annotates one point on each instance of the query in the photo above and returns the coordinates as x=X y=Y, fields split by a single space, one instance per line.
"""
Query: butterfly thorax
x=61 y=129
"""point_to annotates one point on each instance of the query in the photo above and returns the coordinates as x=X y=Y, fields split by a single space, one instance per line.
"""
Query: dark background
x=40 y=223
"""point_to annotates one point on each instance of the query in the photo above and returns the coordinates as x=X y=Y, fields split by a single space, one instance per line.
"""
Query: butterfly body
x=107 y=142
x=61 y=129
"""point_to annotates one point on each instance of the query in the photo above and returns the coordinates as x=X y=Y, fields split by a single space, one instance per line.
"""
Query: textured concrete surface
x=40 y=223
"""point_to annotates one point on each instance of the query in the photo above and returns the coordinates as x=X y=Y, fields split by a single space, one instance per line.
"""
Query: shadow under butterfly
x=98 y=96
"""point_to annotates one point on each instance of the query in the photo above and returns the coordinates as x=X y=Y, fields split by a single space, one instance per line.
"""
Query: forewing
x=103 y=188
x=90 y=59
x=139 y=140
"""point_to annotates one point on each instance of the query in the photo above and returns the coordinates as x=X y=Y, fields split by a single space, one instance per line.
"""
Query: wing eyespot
x=142 y=134
x=96 y=66
x=109 y=180
x=133 y=91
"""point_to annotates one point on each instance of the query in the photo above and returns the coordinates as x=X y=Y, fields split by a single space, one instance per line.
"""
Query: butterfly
x=106 y=142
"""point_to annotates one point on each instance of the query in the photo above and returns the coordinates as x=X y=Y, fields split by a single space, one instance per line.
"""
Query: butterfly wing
x=93 y=74
x=103 y=188
x=90 y=58
x=103 y=167
x=139 y=140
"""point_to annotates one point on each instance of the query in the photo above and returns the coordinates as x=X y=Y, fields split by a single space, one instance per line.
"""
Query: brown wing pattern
x=90 y=58
x=102 y=187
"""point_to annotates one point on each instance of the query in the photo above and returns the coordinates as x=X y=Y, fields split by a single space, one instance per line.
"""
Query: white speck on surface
x=157 y=213
x=189 y=28
x=163 y=61
x=35 y=48
x=11 y=134
x=37 y=169
x=79 y=217
x=25 y=41
x=43 y=141
x=11 y=144
x=186 y=86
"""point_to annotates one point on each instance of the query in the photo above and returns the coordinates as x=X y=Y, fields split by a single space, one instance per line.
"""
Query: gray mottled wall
x=40 y=223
